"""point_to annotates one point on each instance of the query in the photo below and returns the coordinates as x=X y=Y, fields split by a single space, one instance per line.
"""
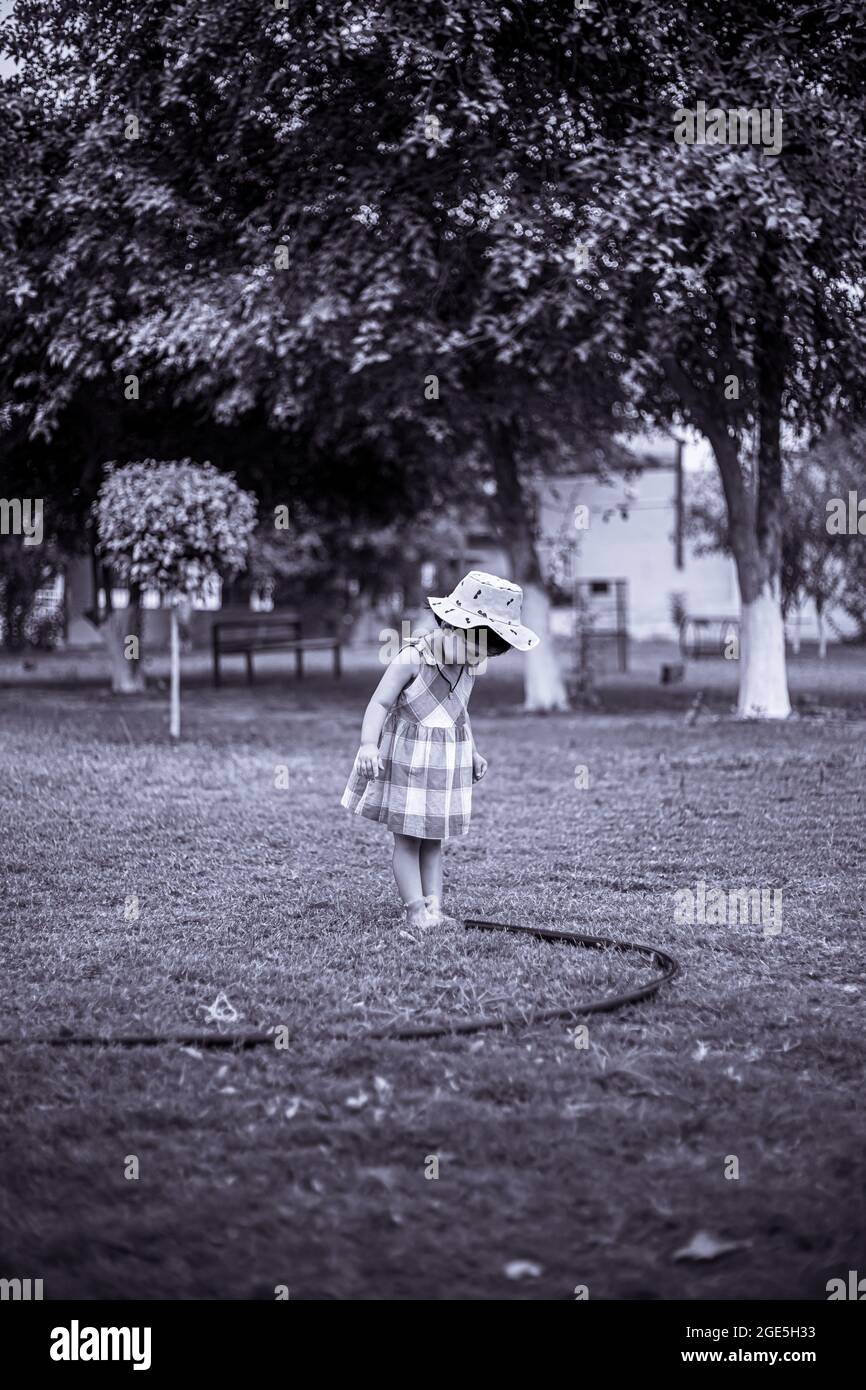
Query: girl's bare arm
x=397 y=676
x=479 y=764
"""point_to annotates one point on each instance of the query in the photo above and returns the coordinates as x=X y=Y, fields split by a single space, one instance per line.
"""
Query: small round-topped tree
x=171 y=527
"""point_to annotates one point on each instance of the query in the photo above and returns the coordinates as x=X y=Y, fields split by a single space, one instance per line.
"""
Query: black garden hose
x=670 y=968
x=400 y=1032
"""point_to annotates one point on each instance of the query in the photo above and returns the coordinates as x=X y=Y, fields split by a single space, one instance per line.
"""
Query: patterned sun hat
x=485 y=600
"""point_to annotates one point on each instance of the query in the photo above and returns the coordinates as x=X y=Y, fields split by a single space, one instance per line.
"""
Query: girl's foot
x=434 y=908
x=418 y=918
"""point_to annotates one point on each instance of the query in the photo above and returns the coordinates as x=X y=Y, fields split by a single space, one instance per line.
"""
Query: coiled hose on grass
x=411 y=1032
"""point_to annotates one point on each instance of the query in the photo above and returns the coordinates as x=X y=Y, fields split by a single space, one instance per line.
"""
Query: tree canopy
x=287 y=221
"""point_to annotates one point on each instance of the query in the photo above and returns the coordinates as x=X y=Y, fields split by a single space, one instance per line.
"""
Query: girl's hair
x=494 y=644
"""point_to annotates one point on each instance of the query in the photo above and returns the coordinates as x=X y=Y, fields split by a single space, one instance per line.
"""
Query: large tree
x=258 y=216
x=729 y=283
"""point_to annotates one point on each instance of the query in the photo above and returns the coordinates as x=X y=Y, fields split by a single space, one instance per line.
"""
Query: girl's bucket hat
x=485 y=600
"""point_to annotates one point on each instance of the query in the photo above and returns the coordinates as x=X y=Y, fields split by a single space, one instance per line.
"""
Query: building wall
x=630 y=533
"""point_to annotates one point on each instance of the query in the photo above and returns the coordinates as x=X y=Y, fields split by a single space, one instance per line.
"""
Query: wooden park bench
x=268 y=633
x=705 y=636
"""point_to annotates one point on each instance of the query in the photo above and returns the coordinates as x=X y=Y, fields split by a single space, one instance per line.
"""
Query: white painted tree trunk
x=511 y=513
x=544 y=687
x=175 y=674
x=798 y=631
x=822 y=634
x=127 y=675
x=763 y=675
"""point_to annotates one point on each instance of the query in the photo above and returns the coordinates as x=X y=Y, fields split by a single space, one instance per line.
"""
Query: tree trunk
x=763 y=690
x=118 y=626
x=763 y=668
x=798 y=631
x=763 y=675
x=175 y=674
x=822 y=632
x=544 y=687
x=754 y=518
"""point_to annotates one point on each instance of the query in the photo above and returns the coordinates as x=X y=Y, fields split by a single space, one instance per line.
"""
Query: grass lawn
x=306 y=1166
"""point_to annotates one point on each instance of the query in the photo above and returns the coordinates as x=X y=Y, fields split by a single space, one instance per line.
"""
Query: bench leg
x=249 y=656
x=337 y=666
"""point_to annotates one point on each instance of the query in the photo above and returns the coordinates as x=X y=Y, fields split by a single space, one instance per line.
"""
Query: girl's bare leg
x=407 y=869
x=430 y=858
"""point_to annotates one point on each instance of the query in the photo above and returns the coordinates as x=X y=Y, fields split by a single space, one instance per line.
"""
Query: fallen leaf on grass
x=383 y=1175
x=704 y=1246
x=357 y=1102
x=384 y=1089
x=522 y=1269
x=292 y=1108
x=700 y=1052
x=220 y=1011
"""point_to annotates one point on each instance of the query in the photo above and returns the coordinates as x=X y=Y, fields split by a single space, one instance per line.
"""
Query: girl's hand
x=479 y=767
x=367 y=761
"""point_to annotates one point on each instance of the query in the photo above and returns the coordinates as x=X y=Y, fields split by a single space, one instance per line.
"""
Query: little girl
x=418 y=780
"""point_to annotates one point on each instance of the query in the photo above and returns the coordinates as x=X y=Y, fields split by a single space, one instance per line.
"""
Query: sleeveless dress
x=426 y=746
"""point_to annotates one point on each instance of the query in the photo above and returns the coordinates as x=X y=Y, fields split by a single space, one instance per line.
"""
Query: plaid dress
x=426 y=746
